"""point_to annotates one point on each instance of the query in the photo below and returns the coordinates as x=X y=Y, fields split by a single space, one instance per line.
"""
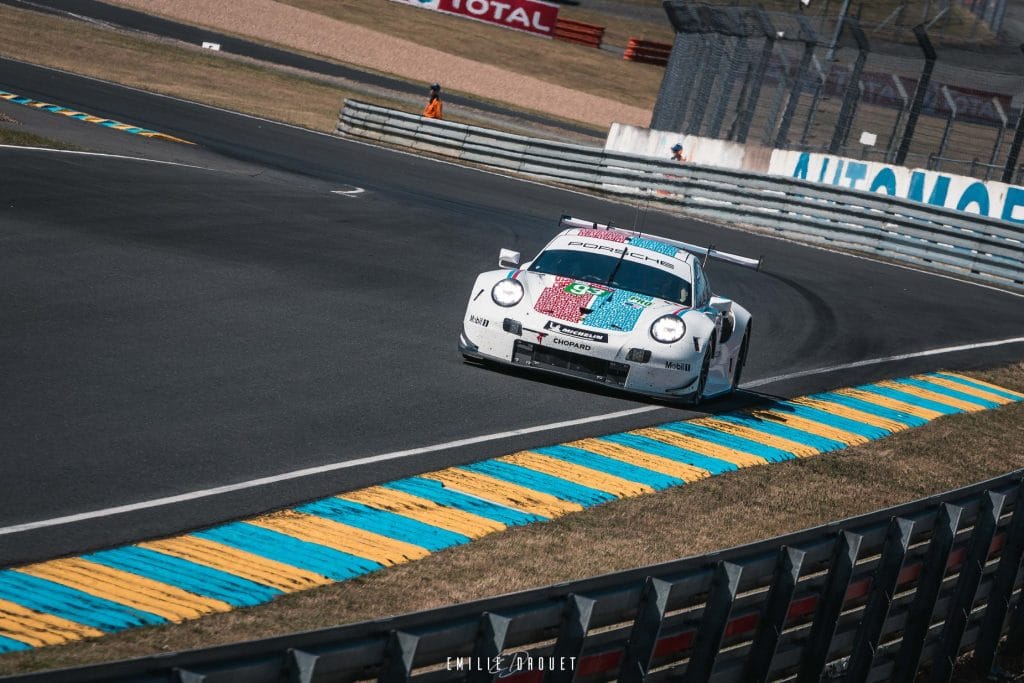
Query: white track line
x=394 y=455
x=103 y=154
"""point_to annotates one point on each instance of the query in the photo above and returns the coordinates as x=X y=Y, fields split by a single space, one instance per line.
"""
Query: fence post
x=740 y=54
x=750 y=106
x=929 y=583
x=846 y=113
x=883 y=586
x=999 y=136
x=398 y=657
x=571 y=635
x=644 y=635
x=830 y=604
x=919 y=93
x=773 y=617
x=904 y=101
x=713 y=623
x=810 y=40
x=949 y=123
x=967 y=585
x=709 y=71
x=1018 y=138
x=490 y=641
x=818 y=87
x=1002 y=589
x=773 y=115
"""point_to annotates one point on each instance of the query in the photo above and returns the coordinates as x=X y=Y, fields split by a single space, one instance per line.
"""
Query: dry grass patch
x=712 y=514
x=157 y=66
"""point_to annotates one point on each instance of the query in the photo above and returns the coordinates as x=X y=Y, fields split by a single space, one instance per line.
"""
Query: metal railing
x=889 y=227
x=870 y=598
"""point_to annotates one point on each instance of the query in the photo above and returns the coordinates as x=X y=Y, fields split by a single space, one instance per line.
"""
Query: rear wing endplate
x=703 y=252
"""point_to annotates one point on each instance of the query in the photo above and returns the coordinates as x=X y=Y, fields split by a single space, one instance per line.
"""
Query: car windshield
x=613 y=271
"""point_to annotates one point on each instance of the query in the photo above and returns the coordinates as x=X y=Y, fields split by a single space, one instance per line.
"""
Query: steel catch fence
x=872 y=598
x=890 y=227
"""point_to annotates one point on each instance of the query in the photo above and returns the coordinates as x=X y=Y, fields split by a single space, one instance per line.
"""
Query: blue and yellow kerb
x=89 y=118
x=253 y=561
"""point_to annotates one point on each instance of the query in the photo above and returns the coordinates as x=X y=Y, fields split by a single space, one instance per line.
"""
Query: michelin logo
x=559 y=328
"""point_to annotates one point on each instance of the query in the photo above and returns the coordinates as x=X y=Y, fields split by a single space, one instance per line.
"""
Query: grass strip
x=23 y=139
x=724 y=511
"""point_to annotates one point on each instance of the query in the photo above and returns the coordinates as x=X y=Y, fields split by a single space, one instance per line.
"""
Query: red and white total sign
x=534 y=16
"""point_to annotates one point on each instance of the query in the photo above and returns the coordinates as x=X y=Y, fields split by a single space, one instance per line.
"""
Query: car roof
x=657 y=250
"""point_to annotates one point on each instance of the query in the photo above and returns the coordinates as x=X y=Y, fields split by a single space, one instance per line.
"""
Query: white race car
x=613 y=306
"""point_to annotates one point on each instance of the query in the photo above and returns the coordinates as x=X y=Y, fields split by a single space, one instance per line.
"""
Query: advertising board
x=532 y=16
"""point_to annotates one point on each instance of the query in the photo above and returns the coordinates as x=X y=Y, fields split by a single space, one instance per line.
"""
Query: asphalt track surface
x=125 y=18
x=166 y=328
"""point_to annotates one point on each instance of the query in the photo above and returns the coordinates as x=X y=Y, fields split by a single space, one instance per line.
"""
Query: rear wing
x=703 y=252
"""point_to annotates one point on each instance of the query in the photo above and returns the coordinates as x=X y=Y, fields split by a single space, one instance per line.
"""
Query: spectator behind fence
x=433 y=108
x=677 y=153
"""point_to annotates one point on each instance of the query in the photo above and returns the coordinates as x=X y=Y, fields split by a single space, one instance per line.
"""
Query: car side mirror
x=508 y=259
x=721 y=304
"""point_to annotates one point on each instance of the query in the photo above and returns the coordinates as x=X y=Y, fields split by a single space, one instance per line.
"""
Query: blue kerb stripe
x=838 y=421
x=384 y=523
x=618 y=468
x=186 y=575
x=872 y=409
x=436 y=491
x=911 y=399
x=68 y=603
x=8 y=645
x=976 y=385
x=538 y=481
x=272 y=545
x=946 y=391
x=739 y=443
x=821 y=443
x=654 y=447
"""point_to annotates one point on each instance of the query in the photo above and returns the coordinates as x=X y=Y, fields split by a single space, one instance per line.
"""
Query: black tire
x=741 y=358
x=702 y=379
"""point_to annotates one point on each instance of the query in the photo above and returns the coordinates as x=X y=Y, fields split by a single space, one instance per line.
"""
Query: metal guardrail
x=870 y=598
x=890 y=227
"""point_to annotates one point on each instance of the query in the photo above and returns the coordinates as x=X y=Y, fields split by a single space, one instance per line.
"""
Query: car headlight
x=507 y=292
x=668 y=329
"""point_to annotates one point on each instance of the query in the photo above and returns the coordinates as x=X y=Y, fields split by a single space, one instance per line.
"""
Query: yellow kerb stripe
x=987 y=384
x=426 y=511
x=347 y=539
x=798 y=449
x=169 y=602
x=247 y=565
x=965 y=389
x=609 y=483
x=633 y=456
x=811 y=426
x=852 y=414
x=933 y=396
x=891 y=403
x=94 y=119
x=702 y=446
x=504 y=493
x=37 y=629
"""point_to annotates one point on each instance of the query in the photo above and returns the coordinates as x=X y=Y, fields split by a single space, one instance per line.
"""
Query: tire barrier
x=579 y=32
x=977 y=247
x=647 y=52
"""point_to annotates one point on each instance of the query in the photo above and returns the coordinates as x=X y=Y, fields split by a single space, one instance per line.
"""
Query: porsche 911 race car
x=612 y=306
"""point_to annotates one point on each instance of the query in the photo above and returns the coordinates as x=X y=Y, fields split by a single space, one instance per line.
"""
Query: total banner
x=532 y=16
x=959 y=193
